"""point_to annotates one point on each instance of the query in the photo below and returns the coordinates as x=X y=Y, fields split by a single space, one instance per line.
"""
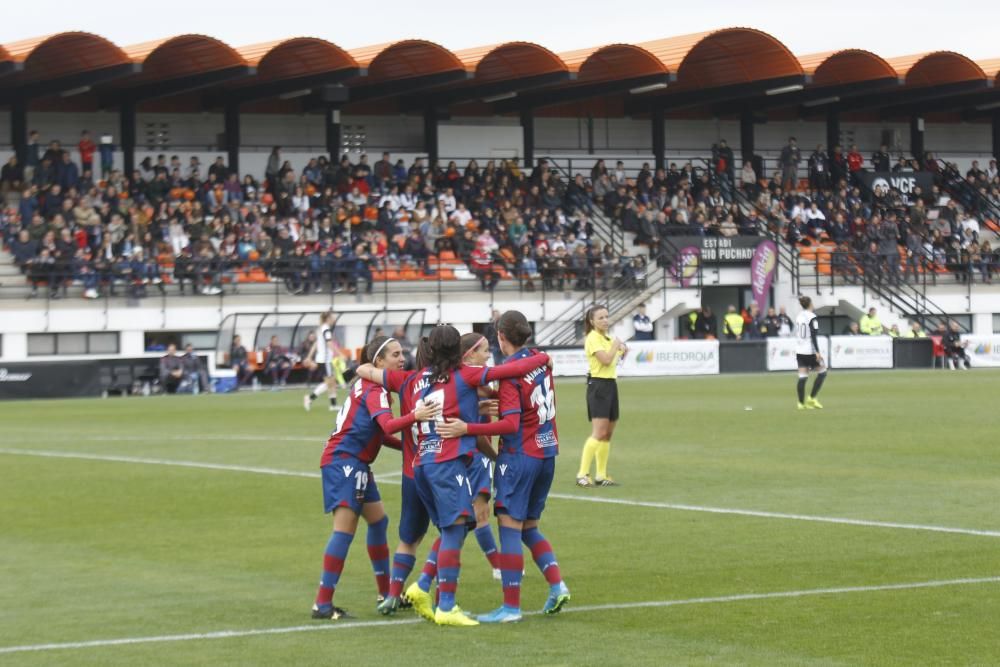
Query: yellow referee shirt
x=595 y=342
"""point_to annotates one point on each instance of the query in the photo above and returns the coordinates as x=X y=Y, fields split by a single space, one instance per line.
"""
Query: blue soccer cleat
x=502 y=614
x=558 y=597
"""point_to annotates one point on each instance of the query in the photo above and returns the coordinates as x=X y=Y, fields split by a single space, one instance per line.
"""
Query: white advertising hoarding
x=781 y=353
x=648 y=358
x=983 y=351
x=860 y=352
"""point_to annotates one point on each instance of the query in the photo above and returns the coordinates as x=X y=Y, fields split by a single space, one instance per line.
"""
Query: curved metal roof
x=183 y=55
x=936 y=68
x=296 y=57
x=612 y=61
x=847 y=66
x=405 y=59
x=511 y=60
x=64 y=54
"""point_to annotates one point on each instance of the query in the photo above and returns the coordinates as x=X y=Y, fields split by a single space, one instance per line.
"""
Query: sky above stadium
x=887 y=28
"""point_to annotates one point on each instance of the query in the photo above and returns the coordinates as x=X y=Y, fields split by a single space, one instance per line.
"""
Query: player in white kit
x=327 y=355
x=808 y=355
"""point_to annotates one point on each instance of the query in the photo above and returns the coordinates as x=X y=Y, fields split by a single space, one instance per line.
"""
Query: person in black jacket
x=881 y=159
x=819 y=169
x=705 y=324
x=954 y=347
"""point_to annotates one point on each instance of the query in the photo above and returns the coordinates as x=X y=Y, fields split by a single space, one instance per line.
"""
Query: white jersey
x=324 y=335
x=806 y=331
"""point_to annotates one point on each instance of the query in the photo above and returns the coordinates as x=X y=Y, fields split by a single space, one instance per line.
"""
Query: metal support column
x=747 y=137
x=333 y=134
x=659 y=137
x=126 y=126
x=996 y=135
x=19 y=129
x=917 y=138
x=232 y=132
x=528 y=137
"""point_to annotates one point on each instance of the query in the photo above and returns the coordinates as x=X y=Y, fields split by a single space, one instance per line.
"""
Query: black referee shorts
x=602 y=399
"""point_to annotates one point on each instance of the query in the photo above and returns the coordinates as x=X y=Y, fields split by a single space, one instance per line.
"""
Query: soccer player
x=603 y=354
x=349 y=489
x=329 y=359
x=523 y=474
x=808 y=355
x=441 y=466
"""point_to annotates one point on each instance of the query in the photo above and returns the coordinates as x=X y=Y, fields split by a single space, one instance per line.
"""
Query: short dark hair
x=805 y=301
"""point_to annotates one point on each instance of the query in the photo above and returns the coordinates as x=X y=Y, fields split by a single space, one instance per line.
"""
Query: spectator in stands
x=642 y=325
x=171 y=370
x=705 y=326
x=851 y=329
x=915 y=331
x=732 y=324
x=881 y=159
x=819 y=169
x=277 y=363
x=789 y=161
x=870 y=324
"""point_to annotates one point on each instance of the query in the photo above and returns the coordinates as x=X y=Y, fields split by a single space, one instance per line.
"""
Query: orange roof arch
x=846 y=66
x=296 y=57
x=613 y=61
x=64 y=54
x=183 y=55
x=991 y=67
x=405 y=59
x=724 y=57
x=510 y=60
x=936 y=68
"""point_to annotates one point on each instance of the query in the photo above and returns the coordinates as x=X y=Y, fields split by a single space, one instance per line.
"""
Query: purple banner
x=686 y=267
x=762 y=266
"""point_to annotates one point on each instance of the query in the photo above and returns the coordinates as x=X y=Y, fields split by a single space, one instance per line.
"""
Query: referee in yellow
x=603 y=353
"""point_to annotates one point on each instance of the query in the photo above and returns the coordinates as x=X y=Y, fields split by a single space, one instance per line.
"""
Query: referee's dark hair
x=805 y=301
x=588 y=318
x=514 y=327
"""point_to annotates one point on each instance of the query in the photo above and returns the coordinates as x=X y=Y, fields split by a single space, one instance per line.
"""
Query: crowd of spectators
x=329 y=226
x=881 y=235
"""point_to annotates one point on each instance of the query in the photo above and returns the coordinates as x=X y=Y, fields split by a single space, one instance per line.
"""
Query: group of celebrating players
x=450 y=469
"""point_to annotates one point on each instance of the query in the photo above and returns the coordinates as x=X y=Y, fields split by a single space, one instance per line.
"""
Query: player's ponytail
x=514 y=327
x=445 y=345
x=423 y=355
x=588 y=318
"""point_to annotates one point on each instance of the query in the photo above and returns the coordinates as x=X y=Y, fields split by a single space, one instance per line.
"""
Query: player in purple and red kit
x=441 y=467
x=523 y=474
x=349 y=489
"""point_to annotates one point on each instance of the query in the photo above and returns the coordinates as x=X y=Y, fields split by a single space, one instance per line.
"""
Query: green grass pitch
x=95 y=550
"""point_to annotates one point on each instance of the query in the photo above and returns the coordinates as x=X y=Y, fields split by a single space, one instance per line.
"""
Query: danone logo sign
x=6 y=376
x=686 y=267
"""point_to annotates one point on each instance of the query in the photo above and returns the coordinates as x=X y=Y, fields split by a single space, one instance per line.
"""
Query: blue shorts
x=413 y=517
x=522 y=485
x=344 y=480
x=446 y=490
x=481 y=475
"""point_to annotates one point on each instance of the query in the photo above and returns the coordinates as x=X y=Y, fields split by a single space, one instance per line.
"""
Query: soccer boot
x=805 y=406
x=454 y=617
x=558 y=597
x=502 y=614
x=421 y=601
x=404 y=602
x=387 y=606
x=813 y=403
x=496 y=575
x=607 y=481
x=584 y=481
x=307 y=403
x=329 y=612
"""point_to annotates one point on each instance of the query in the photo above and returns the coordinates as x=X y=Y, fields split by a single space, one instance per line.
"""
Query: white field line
x=390 y=478
x=228 y=634
x=219 y=437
